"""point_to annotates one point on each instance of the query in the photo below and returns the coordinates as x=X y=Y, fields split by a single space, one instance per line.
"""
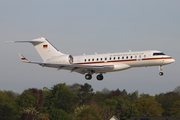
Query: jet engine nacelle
x=121 y=67
x=63 y=59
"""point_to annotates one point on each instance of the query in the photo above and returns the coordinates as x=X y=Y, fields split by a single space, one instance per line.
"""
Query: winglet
x=23 y=58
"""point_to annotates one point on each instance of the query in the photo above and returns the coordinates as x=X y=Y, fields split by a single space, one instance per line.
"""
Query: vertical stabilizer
x=45 y=49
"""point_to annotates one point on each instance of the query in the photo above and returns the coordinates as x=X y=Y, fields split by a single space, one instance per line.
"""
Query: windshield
x=154 y=54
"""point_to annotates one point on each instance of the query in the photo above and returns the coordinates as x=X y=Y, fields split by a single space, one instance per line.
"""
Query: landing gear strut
x=161 y=69
x=100 y=77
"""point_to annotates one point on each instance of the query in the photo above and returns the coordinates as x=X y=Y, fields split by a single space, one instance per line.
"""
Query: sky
x=76 y=27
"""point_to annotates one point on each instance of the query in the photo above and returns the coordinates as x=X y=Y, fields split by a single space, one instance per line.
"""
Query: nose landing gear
x=161 y=69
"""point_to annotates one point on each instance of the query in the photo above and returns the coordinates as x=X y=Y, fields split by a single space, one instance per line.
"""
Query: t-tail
x=45 y=49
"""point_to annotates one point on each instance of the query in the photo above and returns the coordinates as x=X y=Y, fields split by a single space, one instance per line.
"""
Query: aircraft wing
x=82 y=69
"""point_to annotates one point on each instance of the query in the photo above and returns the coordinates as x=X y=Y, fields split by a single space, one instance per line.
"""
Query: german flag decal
x=23 y=58
x=45 y=46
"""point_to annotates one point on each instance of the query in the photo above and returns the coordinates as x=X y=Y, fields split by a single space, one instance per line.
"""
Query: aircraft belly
x=59 y=68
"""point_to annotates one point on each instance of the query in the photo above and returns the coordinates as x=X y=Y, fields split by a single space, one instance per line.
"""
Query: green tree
x=77 y=112
x=177 y=89
x=75 y=87
x=105 y=91
x=85 y=93
x=175 y=109
x=60 y=99
x=144 y=95
x=98 y=97
x=148 y=106
x=125 y=109
x=108 y=107
x=8 y=105
x=90 y=112
x=58 y=114
x=167 y=99
x=31 y=98
x=133 y=96
x=116 y=92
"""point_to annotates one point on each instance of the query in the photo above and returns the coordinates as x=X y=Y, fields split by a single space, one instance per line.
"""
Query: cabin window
x=122 y=57
x=89 y=60
x=101 y=59
x=84 y=60
x=93 y=59
x=131 y=57
x=97 y=59
x=114 y=58
x=126 y=57
x=118 y=57
x=144 y=56
x=105 y=58
x=110 y=58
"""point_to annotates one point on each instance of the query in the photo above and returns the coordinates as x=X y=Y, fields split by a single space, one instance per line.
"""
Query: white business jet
x=96 y=63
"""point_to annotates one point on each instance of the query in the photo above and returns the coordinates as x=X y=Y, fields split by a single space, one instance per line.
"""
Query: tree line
x=80 y=102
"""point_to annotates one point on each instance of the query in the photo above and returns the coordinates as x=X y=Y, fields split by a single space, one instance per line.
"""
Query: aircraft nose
x=169 y=61
x=173 y=60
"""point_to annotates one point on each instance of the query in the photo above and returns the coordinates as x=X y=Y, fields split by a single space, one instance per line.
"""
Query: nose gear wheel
x=161 y=73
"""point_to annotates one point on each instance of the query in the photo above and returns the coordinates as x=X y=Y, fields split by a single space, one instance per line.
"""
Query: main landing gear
x=98 y=77
x=161 y=69
x=88 y=76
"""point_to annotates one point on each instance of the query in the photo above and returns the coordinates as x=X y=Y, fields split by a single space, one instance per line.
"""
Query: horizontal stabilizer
x=39 y=40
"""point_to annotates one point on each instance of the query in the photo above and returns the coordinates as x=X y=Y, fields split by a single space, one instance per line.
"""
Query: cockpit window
x=154 y=54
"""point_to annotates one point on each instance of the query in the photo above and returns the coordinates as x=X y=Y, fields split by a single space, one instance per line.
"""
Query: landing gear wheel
x=161 y=73
x=88 y=76
x=100 y=77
